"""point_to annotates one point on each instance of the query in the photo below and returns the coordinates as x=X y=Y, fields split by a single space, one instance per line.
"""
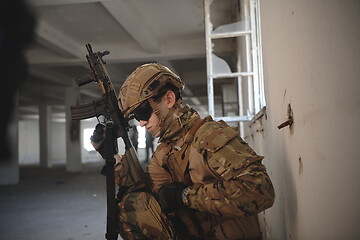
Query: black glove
x=98 y=137
x=170 y=196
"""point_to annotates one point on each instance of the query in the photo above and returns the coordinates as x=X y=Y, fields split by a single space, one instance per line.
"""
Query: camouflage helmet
x=144 y=83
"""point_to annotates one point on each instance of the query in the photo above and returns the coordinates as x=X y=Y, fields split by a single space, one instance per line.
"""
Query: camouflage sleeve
x=241 y=187
x=156 y=173
x=121 y=173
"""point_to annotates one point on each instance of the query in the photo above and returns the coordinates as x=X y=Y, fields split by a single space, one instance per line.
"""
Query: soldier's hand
x=118 y=158
x=170 y=196
x=98 y=137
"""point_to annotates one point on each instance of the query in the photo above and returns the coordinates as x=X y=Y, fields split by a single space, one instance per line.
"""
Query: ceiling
x=170 y=32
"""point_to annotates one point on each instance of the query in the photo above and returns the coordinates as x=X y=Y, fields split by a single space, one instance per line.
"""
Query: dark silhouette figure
x=149 y=145
x=17 y=24
x=134 y=137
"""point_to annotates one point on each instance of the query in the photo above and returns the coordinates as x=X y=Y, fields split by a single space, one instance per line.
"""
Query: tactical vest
x=198 y=225
x=187 y=222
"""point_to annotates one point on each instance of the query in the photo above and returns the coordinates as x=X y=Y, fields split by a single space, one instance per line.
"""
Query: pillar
x=45 y=119
x=73 y=132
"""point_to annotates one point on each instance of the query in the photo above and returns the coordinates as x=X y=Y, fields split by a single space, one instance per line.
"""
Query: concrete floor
x=52 y=204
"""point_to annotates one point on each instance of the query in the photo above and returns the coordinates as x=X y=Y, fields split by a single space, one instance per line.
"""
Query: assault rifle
x=116 y=126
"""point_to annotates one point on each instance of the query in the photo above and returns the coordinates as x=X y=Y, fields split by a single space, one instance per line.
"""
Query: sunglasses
x=143 y=112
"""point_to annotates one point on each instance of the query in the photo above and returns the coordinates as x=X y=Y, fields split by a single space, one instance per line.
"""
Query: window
x=234 y=59
x=87 y=143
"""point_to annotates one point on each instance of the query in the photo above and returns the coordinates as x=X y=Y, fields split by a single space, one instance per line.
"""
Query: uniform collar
x=178 y=128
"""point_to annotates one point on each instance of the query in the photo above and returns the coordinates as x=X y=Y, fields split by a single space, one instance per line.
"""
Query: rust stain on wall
x=301 y=167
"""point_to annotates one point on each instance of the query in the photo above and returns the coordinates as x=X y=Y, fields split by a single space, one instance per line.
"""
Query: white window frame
x=253 y=56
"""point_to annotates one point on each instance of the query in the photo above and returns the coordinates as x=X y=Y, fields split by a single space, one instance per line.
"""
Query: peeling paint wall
x=311 y=52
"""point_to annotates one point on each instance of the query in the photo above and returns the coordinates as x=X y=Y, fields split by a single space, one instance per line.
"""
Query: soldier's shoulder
x=213 y=135
x=226 y=152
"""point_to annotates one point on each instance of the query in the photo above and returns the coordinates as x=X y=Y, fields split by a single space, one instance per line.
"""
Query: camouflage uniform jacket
x=229 y=185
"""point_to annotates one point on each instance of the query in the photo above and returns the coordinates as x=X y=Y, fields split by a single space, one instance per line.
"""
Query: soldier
x=207 y=183
x=149 y=139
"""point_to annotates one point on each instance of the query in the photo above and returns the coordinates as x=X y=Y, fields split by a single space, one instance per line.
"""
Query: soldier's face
x=151 y=124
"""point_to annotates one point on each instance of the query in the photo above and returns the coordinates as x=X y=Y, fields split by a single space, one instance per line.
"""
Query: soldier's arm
x=158 y=175
x=242 y=186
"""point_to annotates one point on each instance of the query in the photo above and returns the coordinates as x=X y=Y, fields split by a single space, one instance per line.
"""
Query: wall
x=29 y=142
x=311 y=53
x=29 y=153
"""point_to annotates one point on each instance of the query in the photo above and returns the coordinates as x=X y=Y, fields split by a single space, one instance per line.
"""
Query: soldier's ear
x=170 y=99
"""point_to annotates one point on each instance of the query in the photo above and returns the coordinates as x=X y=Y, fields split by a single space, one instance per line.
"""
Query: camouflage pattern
x=173 y=157
x=122 y=174
x=228 y=183
x=139 y=213
x=144 y=83
x=244 y=188
x=141 y=218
